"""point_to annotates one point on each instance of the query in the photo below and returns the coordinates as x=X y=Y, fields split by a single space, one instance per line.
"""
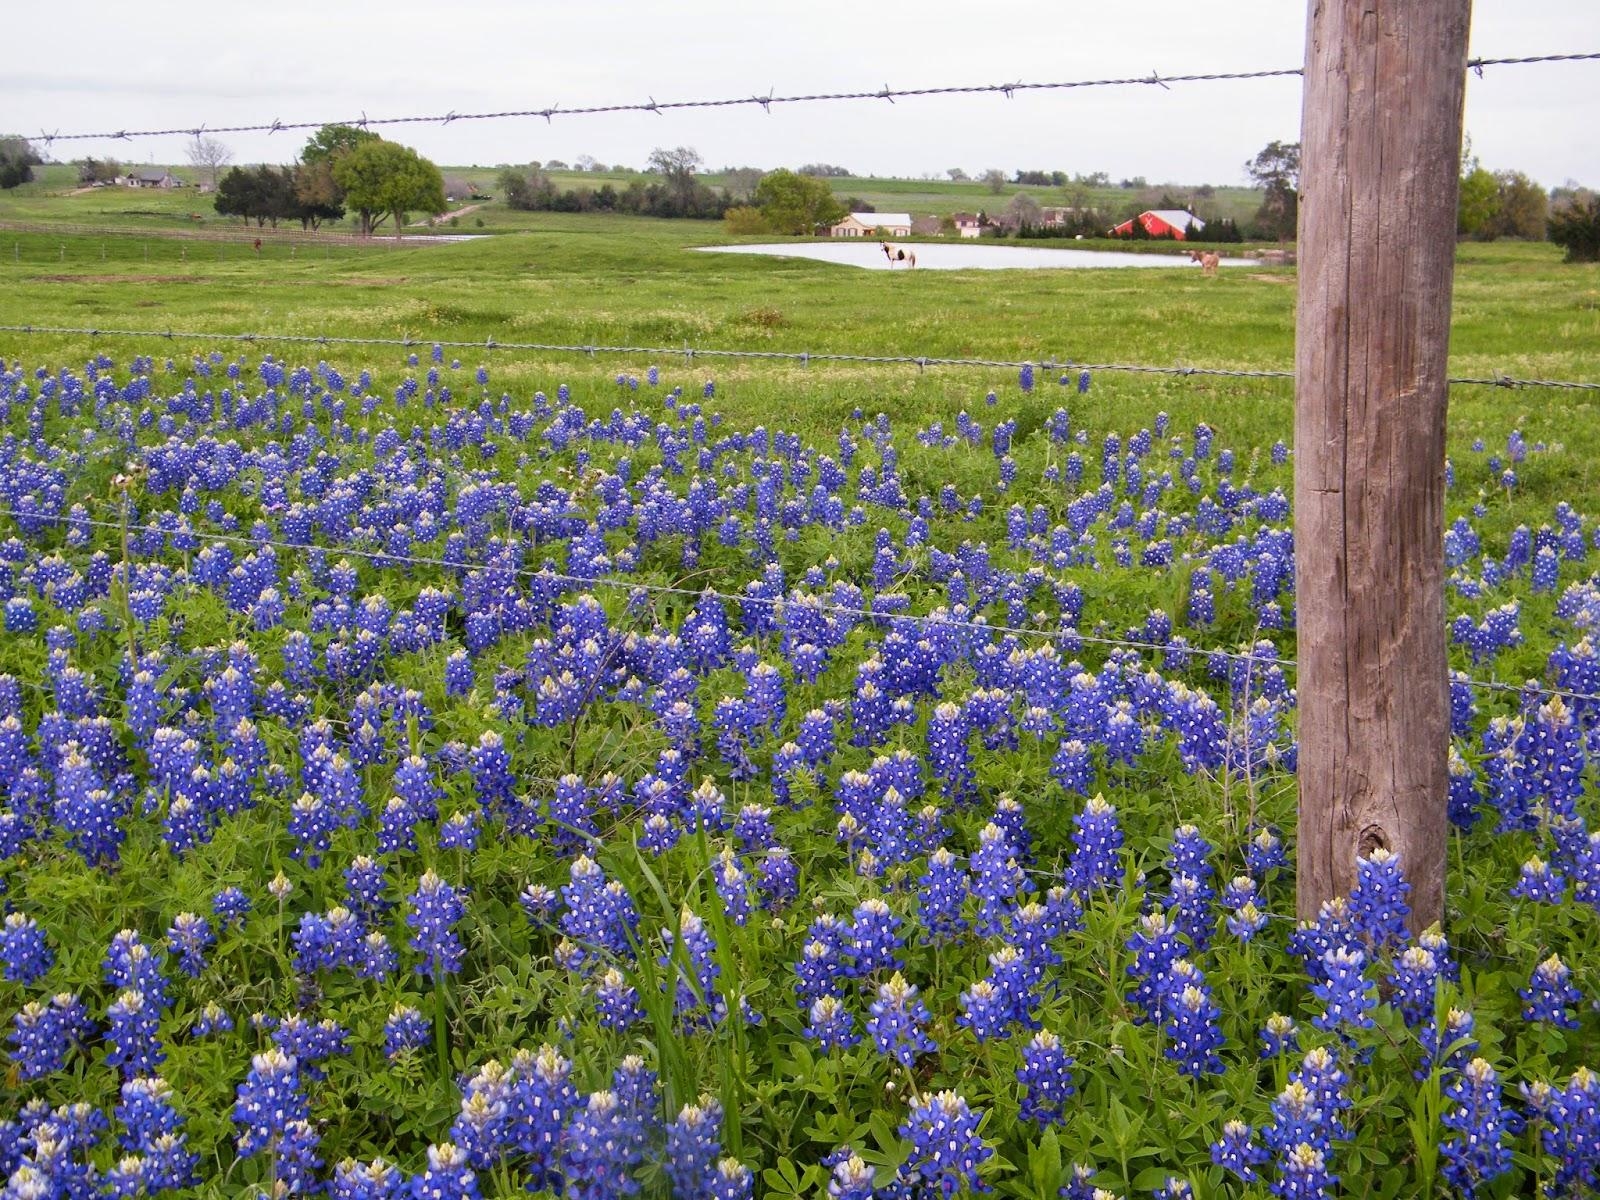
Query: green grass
x=612 y=280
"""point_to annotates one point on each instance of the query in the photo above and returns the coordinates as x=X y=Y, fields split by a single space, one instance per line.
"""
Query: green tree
x=331 y=141
x=385 y=179
x=1523 y=208
x=260 y=194
x=317 y=198
x=995 y=180
x=1276 y=170
x=677 y=167
x=1480 y=199
x=793 y=203
x=17 y=160
x=1575 y=226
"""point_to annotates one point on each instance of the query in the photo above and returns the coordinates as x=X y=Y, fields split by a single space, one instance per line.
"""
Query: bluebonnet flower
x=732 y=1181
x=1540 y=882
x=617 y=1001
x=230 y=906
x=435 y=909
x=1303 y=1174
x=1046 y=1073
x=146 y=1113
x=1413 y=982
x=1192 y=1033
x=1236 y=1151
x=851 y=1178
x=875 y=938
x=831 y=1025
x=213 y=1018
x=1279 y=1036
x=189 y=938
x=947 y=1151
x=1346 y=994
x=24 y=950
x=267 y=1101
x=43 y=1034
x=985 y=1010
x=1265 y=853
x=896 y=1022
x=133 y=1031
x=448 y=1175
x=1571 y=1126
x=375 y=1180
x=602 y=1146
x=1475 y=1150
x=1446 y=1045
x=693 y=1144
x=1550 y=992
x=1097 y=848
x=1378 y=907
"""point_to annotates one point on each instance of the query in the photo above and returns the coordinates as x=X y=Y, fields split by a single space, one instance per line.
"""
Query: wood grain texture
x=1380 y=158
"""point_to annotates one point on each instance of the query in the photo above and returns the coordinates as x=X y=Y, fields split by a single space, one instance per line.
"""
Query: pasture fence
x=690 y=353
x=766 y=103
x=242 y=234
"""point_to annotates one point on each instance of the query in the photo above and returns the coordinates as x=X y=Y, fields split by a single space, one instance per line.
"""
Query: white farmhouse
x=873 y=224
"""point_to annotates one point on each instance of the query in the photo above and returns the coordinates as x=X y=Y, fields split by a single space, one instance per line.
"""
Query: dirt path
x=459 y=212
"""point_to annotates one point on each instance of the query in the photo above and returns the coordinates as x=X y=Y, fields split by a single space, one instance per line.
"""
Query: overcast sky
x=86 y=65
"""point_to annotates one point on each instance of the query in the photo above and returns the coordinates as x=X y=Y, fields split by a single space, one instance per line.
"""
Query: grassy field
x=592 y=280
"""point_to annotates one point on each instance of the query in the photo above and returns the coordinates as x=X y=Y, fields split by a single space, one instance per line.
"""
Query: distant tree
x=957 y=175
x=1276 y=170
x=794 y=203
x=208 y=154
x=555 y=164
x=857 y=204
x=995 y=180
x=1022 y=212
x=261 y=194
x=97 y=170
x=331 y=141
x=1575 y=226
x=741 y=182
x=587 y=162
x=1479 y=200
x=745 y=219
x=385 y=179
x=17 y=161
x=1134 y=183
x=1097 y=179
x=1523 y=208
x=317 y=198
x=678 y=168
x=826 y=171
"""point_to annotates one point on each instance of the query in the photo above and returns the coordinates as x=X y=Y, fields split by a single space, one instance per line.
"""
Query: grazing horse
x=898 y=254
x=1208 y=260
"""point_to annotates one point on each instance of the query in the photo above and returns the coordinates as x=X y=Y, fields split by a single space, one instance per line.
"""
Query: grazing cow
x=899 y=254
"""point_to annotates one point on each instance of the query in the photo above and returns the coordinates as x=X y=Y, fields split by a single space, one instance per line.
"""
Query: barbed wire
x=766 y=103
x=1252 y=657
x=691 y=353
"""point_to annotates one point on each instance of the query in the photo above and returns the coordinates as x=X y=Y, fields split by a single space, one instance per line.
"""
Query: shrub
x=1576 y=228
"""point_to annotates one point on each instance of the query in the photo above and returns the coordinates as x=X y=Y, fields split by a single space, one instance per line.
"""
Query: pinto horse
x=899 y=254
x=1208 y=260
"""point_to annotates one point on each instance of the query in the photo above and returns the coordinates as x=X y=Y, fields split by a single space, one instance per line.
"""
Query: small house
x=1161 y=222
x=968 y=225
x=873 y=224
x=153 y=179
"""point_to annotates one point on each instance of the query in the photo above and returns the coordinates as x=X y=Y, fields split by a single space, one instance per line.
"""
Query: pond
x=964 y=256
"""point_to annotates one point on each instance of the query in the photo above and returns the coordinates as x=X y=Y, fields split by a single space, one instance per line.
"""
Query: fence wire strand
x=1251 y=658
x=691 y=353
x=766 y=103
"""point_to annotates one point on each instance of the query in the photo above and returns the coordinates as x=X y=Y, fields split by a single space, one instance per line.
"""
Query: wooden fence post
x=1380 y=167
